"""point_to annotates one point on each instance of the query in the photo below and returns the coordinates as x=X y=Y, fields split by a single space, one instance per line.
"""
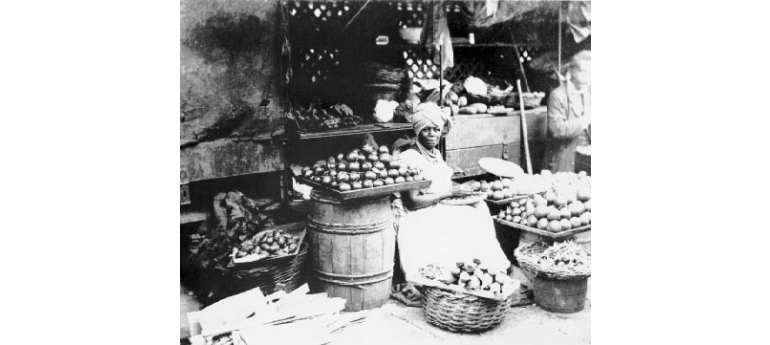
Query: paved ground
x=395 y=323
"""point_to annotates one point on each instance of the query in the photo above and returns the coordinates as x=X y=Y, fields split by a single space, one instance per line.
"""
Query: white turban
x=430 y=114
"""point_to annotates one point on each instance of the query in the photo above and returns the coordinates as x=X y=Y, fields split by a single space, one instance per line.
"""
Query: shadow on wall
x=228 y=70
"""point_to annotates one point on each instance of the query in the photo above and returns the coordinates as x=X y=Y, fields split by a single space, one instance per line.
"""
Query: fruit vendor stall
x=294 y=116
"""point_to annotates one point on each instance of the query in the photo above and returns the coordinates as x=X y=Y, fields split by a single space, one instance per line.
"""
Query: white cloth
x=444 y=234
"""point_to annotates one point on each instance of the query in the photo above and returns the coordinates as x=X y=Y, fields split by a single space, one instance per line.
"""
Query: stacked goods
x=472 y=276
x=362 y=168
x=265 y=244
x=566 y=205
x=316 y=117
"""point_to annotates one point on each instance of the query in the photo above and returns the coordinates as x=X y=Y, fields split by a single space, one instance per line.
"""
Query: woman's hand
x=460 y=191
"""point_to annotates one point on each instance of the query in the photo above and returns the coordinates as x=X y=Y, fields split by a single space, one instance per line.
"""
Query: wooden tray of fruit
x=366 y=192
x=267 y=245
x=545 y=233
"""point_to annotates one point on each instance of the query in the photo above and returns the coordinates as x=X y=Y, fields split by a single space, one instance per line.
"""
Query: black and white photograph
x=396 y=172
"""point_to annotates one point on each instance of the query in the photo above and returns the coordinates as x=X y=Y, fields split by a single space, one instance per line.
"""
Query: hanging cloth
x=579 y=19
x=436 y=33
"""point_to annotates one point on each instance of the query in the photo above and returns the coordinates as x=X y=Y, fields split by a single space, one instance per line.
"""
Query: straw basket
x=557 y=291
x=460 y=312
x=267 y=274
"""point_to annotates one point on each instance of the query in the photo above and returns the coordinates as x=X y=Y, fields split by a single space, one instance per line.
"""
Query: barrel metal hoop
x=348 y=229
x=320 y=275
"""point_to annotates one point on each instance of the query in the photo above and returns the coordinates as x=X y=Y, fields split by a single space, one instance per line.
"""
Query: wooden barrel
x=583 y=159
x=352 y=249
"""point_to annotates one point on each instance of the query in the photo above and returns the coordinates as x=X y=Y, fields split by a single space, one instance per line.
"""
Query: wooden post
x=524 y=127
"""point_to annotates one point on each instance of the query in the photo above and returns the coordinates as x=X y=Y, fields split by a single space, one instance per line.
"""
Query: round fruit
x=584 y=194
x=542 y=223
x=554 y=214
x=399 y=179
x=383 y=149
x=508 y=218
x=529 y=208
x=565 y=224
x=501 y=215
x=541 y=211
x=383 y=174
x=393 y=173
x=419 y=177
x=507 y=193
x=379 y=165
x=565 y=213
x=343 y=177
x=585 y=218
x=497 y=195
x=403 y=171
x=372 y=157
x=385 y=158
x=333 y=173
x=354 y=176
x=334 y=184
x=587 y=205
x=378 y=183
x=344 y=186
x=560 y=201
x=554 y=226
x=368 y=184
x=370 y=175
x=367 y=149
x=326 y=179
x=366 y=166
x=354 y=166
x=540 y=202
x=476 y=186
x=357 y=185
x=342 y=166
x=352 y=157
x=409 y=179
x=388 y=181
x=340 y=157
x=575 y=222
x=497 y=185
x=395 y=164
x=485 y=186
x=317 y=178
x=577 y=208
x=550 y=196
x=532 y=221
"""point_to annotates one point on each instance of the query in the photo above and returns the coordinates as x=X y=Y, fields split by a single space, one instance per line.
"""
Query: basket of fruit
x=560 y=272
x=465 y=298
x=269 y=260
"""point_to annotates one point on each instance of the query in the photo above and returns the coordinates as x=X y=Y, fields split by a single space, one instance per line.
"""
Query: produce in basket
x=265 y=244
x=471 y=276
x=317 y=116
x=366 y=167
x=564 y=259
x=565 y=205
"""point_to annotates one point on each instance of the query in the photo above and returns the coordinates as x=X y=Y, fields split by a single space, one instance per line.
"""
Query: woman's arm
x=558 y=123
x=413 y=200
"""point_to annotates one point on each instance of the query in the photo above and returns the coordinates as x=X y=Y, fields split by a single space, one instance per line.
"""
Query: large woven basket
x=460 y=312
x=267 y=274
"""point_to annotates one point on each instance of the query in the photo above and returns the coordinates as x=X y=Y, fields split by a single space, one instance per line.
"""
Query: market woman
x=569 y=115
x=432 y=232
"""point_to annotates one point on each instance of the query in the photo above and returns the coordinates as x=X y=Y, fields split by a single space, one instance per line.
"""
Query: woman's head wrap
x=430 y=114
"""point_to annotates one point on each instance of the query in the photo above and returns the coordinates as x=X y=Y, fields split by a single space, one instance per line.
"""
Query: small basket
x=461 y=312
x=266 y=274
x=524 y=255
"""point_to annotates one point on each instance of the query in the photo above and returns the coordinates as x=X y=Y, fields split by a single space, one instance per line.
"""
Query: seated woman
x=432 y=232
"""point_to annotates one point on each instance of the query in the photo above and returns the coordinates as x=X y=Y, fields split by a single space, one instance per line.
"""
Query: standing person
x=569 y=115
x=432 y=232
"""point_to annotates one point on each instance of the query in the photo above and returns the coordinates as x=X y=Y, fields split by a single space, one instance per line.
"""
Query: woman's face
x=430 y=136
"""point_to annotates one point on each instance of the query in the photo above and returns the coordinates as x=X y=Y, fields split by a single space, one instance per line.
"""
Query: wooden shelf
x=358 y=130
x=191 y=217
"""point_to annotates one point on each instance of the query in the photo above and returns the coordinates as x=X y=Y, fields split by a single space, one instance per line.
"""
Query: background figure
x=569 y=115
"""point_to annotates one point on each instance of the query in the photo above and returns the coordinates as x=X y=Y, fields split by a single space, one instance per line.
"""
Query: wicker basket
x=524 y=255
x=266 y=274
x=460 y=312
